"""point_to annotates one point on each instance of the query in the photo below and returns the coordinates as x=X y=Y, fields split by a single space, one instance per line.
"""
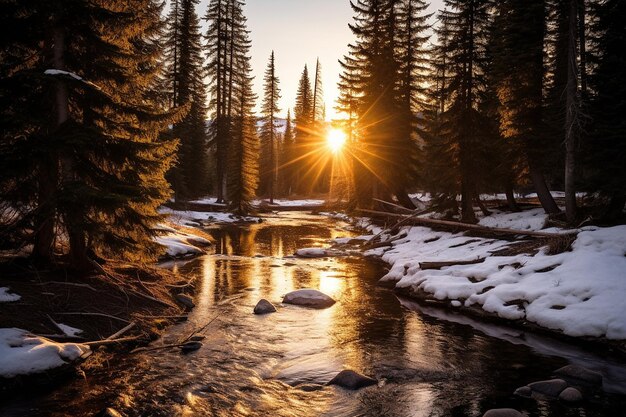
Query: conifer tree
x=243 y=171
x=608 y=129
x=460 y=134
x=269 y=135
x=304 y=130
x=517 y=76
x=286 y=167
x=185 y=79
x=99 y=164
x=318 y=94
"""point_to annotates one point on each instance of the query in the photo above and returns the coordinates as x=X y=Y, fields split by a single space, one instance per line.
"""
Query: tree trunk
x=510 y=199
x=404 y=199
x=543 y=192
x=572 y=113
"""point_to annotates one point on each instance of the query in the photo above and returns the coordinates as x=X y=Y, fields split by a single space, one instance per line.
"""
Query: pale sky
x=299 y=31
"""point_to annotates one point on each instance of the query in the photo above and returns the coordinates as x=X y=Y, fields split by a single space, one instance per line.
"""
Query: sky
x=299 y=31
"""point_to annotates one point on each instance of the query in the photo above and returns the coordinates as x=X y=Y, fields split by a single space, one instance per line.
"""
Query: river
x=429 y=362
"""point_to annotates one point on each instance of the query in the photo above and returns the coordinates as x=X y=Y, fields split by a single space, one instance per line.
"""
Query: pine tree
x=185 y=79
x=318 y=94
x=461 y=124
x=608 y=130
x=304 y=131
x=99 y=163
x=516 y=77
x=269 y=135
x=286 y=156
x=243 y=169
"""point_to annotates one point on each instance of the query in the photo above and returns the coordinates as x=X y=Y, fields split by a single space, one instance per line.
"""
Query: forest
x=107 y=117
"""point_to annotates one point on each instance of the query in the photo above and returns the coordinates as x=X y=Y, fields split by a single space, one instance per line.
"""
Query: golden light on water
x=335 y=140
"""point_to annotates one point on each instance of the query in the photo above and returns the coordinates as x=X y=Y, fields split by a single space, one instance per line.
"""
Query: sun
x=335 y=140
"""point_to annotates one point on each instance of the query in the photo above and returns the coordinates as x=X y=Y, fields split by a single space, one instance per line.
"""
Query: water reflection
x=429 y=364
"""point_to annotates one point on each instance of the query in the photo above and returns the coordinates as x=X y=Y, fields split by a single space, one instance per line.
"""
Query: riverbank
x=571 y=287
x=53 y=319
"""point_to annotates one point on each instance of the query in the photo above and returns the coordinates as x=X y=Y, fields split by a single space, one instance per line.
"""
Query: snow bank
x=179 y=244
x=534 y=220
x=291 y=203
x=195 y=218
x=6 y=297
x=579 y=293
x=23 y=354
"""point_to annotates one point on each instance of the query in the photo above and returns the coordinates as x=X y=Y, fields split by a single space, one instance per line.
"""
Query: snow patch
x=22 y=353
x=6 y=297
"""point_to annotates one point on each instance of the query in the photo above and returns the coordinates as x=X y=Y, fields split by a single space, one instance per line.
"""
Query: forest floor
x=47 y=315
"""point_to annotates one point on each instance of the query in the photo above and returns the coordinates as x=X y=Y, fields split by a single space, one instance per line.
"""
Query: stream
x=429 y=362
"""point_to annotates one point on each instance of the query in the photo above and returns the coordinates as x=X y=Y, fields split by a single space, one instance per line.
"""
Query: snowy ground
x=179 y=244
x=199 y=218
x=579 y=293
x=22 y=353
x=291 y=203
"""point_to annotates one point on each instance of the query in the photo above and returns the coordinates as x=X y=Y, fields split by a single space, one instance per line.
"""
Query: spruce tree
x=185 y=79
x=318 y=94
x=99 y=165
x=608 y=129
x=269 y=135
x=304 y=131
x=286 y=156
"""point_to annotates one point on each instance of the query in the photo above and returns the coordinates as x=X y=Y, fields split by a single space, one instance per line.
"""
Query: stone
x=309 y=297
x=551 y=388
x=185 y=300
x=197 y=338
x=578 y=374
x=570 y=395
x=503 y=412
x=109 y=412
x=525 y=392
x=264 y=307
x=190 y=347
x=352 y=380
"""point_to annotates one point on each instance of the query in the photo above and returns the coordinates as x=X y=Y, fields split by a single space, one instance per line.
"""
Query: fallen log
x=106 y=342
x=443 y=264
x=121 y=332
x=419 y=221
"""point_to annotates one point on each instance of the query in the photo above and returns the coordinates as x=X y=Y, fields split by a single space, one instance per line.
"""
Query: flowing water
x=429 y=362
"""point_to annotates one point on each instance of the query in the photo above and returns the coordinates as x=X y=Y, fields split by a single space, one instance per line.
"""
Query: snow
x=69 y=331
x=534 y=220
x=22 y=353
x=291 y=203
x=311 y=252
x=6 y=297
x=179 y=244
x=61 y=72
x=579 y=293
x=195 y=218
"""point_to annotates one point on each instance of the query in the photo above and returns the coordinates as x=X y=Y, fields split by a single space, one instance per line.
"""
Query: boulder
x=577 y=374
x=525 y=392
x=570 y=395
x=551 y=388
x=352 y=380
x=264 y=307
x=503 y=412
x=185 y=300
x=309 y=387
x=309 y=297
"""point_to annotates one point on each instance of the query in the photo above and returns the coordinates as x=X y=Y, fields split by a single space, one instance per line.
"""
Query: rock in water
x=578 y=374
x=309 y=297
x=551 y=388
x=190 y=347
x=503 y=412
x=109 y=412
x=185 y=300
x=264 y=307
x=570 y=395
x=524 y=392
x=352 y=380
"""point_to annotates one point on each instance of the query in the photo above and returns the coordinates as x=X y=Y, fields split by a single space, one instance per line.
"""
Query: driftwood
x=121 y=332
x=106 y=342
x=418 y=221
x=442 y=264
